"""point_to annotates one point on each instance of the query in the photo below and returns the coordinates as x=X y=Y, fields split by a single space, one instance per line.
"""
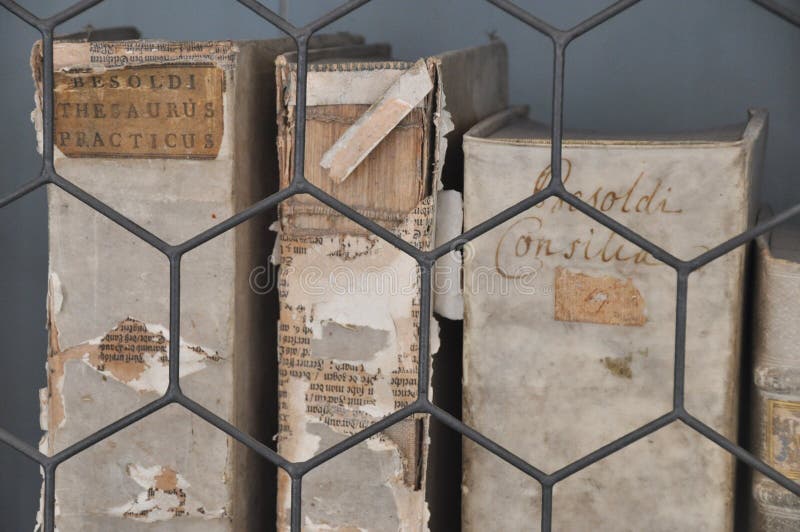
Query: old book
x=776 y=376
x=569 y=329
x=177 y=136
x=377 y=131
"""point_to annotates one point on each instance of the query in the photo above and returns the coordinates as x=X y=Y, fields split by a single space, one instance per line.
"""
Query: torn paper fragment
x=133 y=352
x=275 y=256
x=447 y=291
x=379 y=120
x=165 y=495
x=349 y=356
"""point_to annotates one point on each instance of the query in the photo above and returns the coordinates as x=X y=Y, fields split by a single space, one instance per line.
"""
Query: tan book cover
x=569 y=333
x=377 y=131
x=776 y=377
x=177 y=136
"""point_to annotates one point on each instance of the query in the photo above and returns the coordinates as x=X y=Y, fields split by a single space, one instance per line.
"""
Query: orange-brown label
x=173 y=111
x=783 y=437
x=597 y=299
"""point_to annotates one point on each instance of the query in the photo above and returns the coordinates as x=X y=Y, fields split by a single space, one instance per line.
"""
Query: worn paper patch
x=166 y=494
x=348 y=347
x=783 y=437
x=133 y=353
x=597 y=299
x=173 y=111
x=351 y=336
x=448 y=299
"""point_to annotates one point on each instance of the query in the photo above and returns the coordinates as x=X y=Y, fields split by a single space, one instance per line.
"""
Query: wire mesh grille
x=425 y=259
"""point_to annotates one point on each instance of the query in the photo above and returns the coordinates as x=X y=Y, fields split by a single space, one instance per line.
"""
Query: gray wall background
x=662 y=65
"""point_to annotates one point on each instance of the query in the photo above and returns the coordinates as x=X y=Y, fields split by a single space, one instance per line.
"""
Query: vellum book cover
x=172 y=135
x=569 y=333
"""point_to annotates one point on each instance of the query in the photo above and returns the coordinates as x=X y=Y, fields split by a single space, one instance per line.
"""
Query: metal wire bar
x=333 y=15
x=71 y=12
x=240 y=436
x=547 y=507
x=740 y=453
x=174 y=323
x=595 y=20
x=48 y=114
x=679 y=376
x=270 y=16
x=792 y=17
x=300 y=110
x=624 y=231
x=21 y=446
x=611 y=448
x=22 y=13
x=109 y=430
x=302 y=468
x=115 y=216
x=487 y=225
x=22 y=191
x=557 y=126
x=742 y=238
x=297 y=502
x=49 y=514
x=493 y=447
x=423 y=338
x=240 y=217
x=425 y=259
x=524 y=16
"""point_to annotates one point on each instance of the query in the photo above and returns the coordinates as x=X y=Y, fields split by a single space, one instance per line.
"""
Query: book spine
x=349 y=345
x=149 y=128
x=776 y=379
x=349 y=314
x=570 y=328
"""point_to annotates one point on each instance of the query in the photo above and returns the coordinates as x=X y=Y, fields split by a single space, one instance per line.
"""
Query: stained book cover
x=376 y=134
x=164 y=132
x=569 y=333
x=776 y=377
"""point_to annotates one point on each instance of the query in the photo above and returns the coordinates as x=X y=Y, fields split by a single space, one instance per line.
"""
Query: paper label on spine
x=172 y=111
x=603 y=299
x=783 y=433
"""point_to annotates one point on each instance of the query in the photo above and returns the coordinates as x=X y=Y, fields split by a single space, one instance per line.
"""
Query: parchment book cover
x=776 y=377
x=377 y=131
x=172 y=135
x=569 y=333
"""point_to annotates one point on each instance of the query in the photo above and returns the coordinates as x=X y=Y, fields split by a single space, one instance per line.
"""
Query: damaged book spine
x=171 y=135
x=348 y=345
x=776 y=377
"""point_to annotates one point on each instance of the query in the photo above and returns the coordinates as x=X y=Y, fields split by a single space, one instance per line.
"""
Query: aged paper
x=570 y=329
x=108 y=296
x=140 y=111
x=350 y=308
x=348 y=352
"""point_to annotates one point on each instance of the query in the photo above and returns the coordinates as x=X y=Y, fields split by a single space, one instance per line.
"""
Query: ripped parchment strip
x=373 y=126
x=101 y=55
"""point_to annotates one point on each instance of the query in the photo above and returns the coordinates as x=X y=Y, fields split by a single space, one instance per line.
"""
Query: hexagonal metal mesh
x=425 y=259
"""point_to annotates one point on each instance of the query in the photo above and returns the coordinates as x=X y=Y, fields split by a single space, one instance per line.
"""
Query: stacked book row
x=303 y=325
